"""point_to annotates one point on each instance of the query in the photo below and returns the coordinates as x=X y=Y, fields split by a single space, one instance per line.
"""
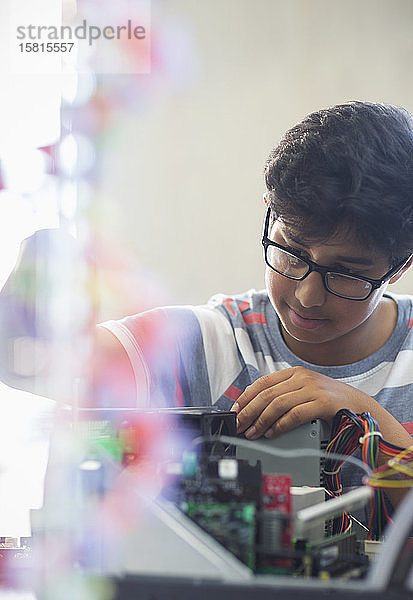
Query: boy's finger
x=252 y=411
x=261 y=384
x=295 y=417
x=284 y=404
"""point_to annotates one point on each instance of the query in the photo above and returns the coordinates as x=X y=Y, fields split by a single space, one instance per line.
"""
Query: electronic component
x=334 y=556
x=303 y=497
x=211 y=515
x=302 y=460
x=131 y=433
x=274 y=541
x=222 y=497
x=320 y=512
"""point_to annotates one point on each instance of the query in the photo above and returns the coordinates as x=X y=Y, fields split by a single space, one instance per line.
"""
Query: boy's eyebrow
x=356 y=260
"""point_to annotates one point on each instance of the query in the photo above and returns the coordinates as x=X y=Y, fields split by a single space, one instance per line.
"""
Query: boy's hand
x=283 y=400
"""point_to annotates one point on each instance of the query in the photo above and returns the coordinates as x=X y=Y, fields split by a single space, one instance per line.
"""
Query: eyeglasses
x=292 y=265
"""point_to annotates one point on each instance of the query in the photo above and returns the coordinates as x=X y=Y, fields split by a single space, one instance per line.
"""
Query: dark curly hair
x=347 y=168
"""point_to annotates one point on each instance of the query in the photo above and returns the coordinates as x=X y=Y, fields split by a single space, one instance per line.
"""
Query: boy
x=325 y=334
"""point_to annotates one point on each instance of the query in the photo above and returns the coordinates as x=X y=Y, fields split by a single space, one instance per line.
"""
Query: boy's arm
x=112 y=380
x=283 y=400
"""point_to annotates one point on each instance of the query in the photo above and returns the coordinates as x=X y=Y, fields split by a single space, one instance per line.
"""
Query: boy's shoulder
x=247 y=308
x=244 y=301
x=403 y=333
x=404 y=302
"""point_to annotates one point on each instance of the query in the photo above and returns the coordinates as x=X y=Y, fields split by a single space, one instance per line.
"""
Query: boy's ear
x=265 y=200
x=407 y=266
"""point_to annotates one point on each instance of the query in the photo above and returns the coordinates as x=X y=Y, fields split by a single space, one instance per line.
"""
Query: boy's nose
x=311 y=291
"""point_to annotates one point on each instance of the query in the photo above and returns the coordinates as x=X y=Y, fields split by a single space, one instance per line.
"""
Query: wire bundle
x=350 y=432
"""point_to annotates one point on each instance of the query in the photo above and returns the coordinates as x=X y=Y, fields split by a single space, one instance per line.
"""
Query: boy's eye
x=299 y=254
x=342 y=269
x=345 y=271
x=337 y=268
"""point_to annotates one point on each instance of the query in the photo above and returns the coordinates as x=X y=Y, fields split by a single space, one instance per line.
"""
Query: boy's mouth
x=304 y=322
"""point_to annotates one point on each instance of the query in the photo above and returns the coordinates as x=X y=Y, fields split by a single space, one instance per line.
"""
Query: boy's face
x=316 y=325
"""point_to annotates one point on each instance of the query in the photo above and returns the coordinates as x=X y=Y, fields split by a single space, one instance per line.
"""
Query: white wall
x=185 y=166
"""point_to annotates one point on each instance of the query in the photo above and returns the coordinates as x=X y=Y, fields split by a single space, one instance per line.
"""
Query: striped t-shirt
x=207 y=355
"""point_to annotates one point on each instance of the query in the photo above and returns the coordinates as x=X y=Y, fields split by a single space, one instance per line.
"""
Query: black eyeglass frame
x=375 y=283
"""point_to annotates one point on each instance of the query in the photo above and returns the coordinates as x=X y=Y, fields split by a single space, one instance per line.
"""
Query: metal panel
x=304 y=470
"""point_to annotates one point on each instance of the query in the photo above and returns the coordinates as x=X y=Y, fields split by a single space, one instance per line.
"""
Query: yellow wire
x=393 y=470
x=391 y=483
x=378 y=478
x=402 y=469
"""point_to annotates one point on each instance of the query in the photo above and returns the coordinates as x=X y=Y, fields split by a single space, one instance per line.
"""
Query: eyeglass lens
x=291 y=266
